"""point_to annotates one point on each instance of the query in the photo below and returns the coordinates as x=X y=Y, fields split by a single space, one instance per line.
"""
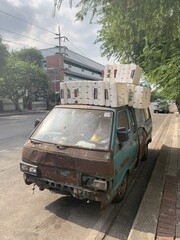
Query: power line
x=26 y=21
x=5 y=40
x=26 y=37
x=77 y=48
x=39 y=28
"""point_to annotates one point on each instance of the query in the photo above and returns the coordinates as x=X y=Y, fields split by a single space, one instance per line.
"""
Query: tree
x=30 y=55
x=144 y=32
x=22 y=79
x=3 y=55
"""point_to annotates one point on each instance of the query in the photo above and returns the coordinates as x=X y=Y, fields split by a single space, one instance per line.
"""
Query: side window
x=133 y=120
x=146 y=114
x=122 y=120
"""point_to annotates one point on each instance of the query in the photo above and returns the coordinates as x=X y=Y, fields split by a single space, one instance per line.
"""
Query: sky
x=30 y=23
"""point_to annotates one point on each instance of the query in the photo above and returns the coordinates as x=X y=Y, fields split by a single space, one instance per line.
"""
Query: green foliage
x=145 y=32
x=3 y=55
x=30 y=55
x=22 y=77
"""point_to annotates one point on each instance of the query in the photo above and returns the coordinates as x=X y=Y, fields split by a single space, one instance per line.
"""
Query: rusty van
x=87 y=151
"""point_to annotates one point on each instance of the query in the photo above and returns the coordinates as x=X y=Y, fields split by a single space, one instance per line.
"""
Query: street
x=28 y=213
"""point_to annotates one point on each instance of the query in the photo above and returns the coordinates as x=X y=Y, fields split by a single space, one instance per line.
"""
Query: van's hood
x=91 y=162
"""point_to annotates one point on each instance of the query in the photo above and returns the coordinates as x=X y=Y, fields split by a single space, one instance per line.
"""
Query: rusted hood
x=90 y=162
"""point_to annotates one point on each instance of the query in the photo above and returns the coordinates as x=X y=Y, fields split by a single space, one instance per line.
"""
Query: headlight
x=27 y=168
x=100 y=185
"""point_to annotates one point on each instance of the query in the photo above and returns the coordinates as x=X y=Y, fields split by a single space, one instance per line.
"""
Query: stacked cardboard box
x=120 y=86
x=125 y=73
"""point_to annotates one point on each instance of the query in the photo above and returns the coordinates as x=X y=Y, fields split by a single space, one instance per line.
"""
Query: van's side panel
x=125 y=154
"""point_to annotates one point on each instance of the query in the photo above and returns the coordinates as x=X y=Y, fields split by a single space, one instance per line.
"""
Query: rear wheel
x=122 y=190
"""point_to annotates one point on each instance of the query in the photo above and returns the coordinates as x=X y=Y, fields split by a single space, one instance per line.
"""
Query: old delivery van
x=87 y=151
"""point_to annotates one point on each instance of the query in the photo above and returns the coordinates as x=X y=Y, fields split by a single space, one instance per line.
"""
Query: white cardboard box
x=82 y=92
x=108 y=72
x=107 y=93
x=63 y=92
x=131 y=91
x=69 y=92
x=122 y=74
x=90 y=92
x=101 y=93
x=118 y=94
x=95 y=92
x=127 y=73
x=135 y=74
x=141 y=97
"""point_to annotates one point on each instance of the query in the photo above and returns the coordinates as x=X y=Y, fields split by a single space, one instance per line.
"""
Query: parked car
x=161 y=107
x=87 y=151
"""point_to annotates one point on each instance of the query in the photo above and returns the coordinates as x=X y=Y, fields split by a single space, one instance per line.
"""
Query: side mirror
x=122 y=134
x=37 y=121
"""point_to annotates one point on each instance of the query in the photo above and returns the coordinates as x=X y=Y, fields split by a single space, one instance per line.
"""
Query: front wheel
x=145 y=155
x=122 y=190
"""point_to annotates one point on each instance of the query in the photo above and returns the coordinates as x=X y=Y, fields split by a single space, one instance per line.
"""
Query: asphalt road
x=34 y=215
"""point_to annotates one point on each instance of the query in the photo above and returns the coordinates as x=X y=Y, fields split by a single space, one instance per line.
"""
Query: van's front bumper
x=75 y=191
x=32 y=174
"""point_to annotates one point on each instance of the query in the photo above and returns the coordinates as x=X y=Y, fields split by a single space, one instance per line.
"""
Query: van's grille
x=62 y=176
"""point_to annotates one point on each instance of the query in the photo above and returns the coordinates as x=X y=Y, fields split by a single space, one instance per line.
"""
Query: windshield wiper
x=35 y=141
x=61 y=146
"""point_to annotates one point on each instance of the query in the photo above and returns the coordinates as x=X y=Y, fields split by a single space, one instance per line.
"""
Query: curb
x=6 y=114
x=146 y=221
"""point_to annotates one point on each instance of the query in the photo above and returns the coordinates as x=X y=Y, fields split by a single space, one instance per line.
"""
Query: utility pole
x=59 y=37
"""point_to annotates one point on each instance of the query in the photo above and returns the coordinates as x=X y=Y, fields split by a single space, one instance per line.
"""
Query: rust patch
x=79 y=160
x=122 y=165
x=124 y=162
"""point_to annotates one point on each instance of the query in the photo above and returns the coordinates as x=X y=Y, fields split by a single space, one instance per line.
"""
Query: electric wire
x=6 y=40
x=8 y=14
x=26 y=22
x=26 y=36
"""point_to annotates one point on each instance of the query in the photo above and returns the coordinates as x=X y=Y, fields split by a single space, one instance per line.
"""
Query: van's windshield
x=83 y=128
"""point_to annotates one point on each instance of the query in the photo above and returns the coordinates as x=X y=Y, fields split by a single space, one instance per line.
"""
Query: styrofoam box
x=107 y=93
x=90 y=92
x=101 y=92
x=69 y=92
x=127 y=73
x=63 y=92
x=141 y=97
x=82 y=92
x=95 y=92
x=135 y=73
x=118 y=94
x=131 y=91
x=122 y=74
x=108 y=72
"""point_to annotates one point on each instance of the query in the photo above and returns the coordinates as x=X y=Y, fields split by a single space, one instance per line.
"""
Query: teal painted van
x=87 y=151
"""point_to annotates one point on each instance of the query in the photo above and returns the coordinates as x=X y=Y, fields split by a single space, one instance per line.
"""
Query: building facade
x=63 y=64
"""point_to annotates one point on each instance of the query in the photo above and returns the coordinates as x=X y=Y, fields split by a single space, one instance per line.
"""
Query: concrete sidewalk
x=158 y=217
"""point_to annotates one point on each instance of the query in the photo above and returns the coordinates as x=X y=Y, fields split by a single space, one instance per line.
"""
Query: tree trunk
x=178 y=104
x=17 y=106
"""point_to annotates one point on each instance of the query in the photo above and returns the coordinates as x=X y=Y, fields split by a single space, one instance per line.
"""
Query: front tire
x=122 y=190
x=145 y=156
